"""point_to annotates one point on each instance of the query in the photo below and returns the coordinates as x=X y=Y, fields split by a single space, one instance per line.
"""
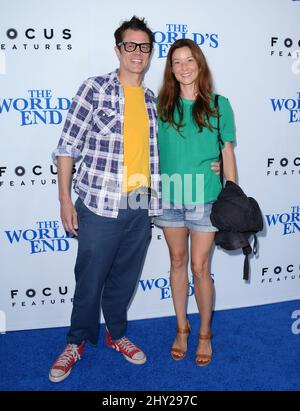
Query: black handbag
x=236 y=216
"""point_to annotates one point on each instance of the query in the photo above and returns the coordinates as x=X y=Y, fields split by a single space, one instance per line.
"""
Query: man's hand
x=215 y=167
x=68 y=217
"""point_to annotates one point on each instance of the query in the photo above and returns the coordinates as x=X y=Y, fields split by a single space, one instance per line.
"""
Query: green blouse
x=185 y=157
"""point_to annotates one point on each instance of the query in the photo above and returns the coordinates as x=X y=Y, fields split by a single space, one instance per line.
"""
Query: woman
x=189 y=147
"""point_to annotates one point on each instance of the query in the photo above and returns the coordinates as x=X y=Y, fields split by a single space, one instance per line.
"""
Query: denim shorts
x=195 y=217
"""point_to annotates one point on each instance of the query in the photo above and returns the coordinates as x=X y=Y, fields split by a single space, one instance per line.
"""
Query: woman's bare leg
x=201 y=243
x=177 y=241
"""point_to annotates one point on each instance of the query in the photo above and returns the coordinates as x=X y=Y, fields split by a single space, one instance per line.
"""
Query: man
x=112 y=124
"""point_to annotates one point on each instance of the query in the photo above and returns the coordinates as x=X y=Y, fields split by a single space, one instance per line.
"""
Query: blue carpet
x=253 y=349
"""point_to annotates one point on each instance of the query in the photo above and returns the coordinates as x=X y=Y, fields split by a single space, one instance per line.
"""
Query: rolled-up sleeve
x=77 y=124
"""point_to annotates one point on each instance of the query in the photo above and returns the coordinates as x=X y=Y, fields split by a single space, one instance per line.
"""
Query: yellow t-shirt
x=136 y=140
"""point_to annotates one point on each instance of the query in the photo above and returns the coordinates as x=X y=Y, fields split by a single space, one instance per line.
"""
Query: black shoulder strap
x=246 y=250
x=221 y=143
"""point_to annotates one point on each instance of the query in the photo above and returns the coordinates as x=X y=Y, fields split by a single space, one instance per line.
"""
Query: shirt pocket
x=105 y=121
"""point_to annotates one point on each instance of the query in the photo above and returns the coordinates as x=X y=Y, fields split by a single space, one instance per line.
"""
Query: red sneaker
x=63 y=364
x=130 y=352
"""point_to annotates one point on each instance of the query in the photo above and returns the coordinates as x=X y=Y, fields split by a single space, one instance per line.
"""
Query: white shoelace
x=127 y=345
x=70 y=352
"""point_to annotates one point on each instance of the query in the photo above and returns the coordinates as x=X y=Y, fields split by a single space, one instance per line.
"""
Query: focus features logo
x=34 y=38
x=283 y=166
x=28 y=176
x=285 y=47
x=45 y=296
x=280 y=274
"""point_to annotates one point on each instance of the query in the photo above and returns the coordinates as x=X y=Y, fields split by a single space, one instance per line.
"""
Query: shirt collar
x=115 y=79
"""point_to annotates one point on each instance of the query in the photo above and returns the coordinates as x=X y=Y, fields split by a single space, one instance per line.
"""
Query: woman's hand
x=215 y=166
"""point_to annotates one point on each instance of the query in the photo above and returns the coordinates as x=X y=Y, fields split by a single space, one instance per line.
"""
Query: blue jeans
x=110 y=257
x=196 y=217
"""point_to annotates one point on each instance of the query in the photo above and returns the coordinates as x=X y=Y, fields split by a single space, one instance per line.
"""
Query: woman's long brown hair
x=169 y=95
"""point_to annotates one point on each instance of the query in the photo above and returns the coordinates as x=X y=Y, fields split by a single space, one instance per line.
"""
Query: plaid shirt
x=94 y=130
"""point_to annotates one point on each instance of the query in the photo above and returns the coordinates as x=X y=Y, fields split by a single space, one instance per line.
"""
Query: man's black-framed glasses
x=131 y=46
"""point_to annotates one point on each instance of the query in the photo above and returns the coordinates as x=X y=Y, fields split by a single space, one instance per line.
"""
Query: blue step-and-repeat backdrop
x=48 y=48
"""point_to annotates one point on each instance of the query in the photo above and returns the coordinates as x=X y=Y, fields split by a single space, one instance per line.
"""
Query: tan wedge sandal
x=176 y=353
x=203 y=359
